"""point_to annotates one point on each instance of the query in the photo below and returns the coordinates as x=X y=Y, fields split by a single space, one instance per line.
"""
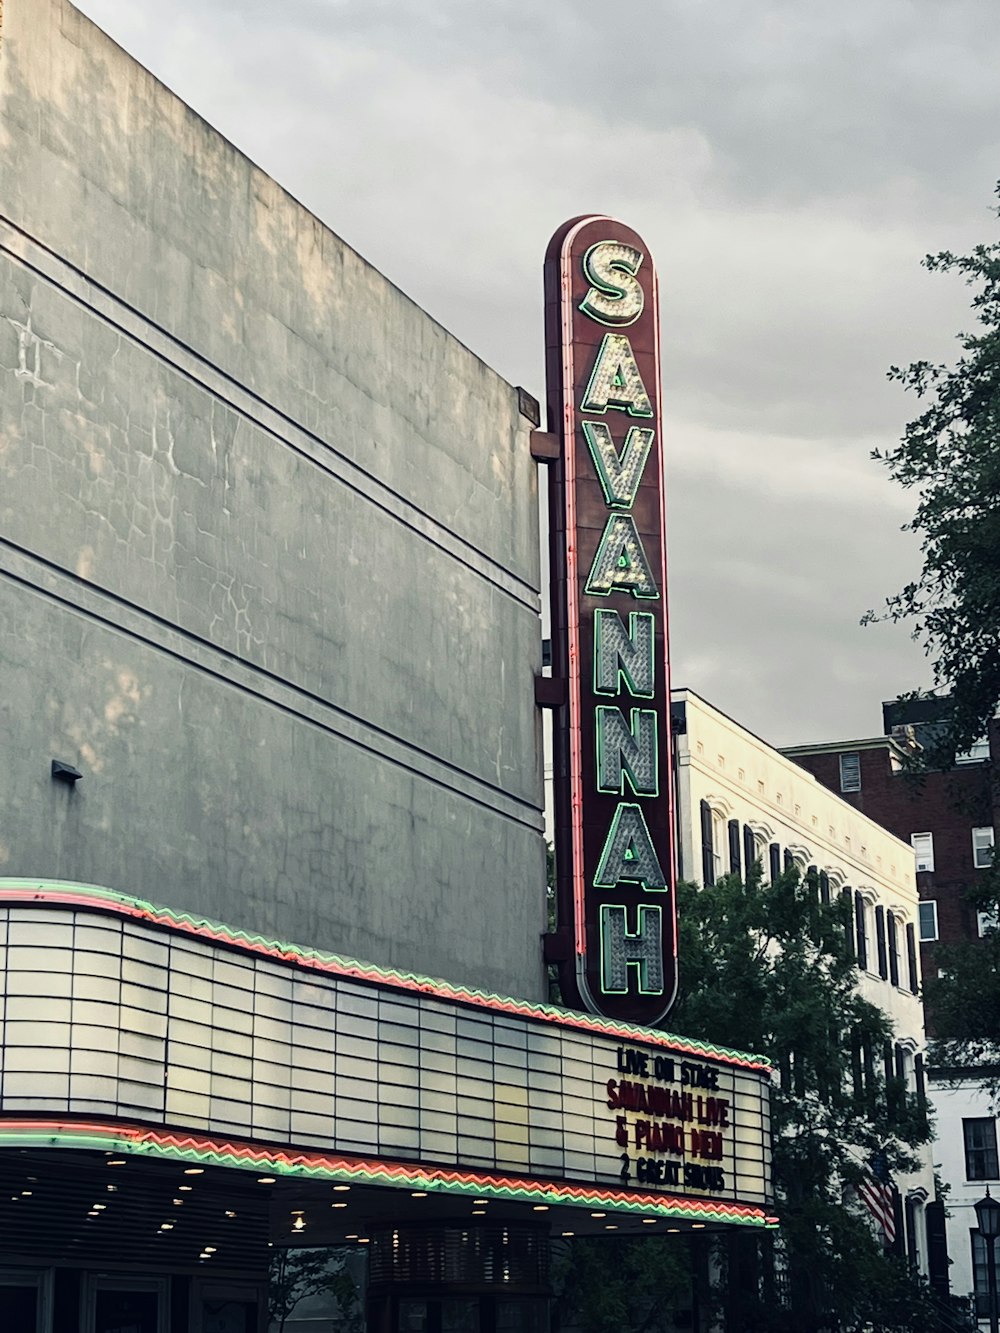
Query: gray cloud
x=788 y=164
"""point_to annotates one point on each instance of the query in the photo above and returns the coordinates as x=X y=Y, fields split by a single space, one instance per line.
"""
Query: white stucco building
x=739 y=800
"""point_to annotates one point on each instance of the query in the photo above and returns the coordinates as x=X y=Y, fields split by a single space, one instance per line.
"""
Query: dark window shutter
x=912 y=1252
x=937 y=1248
x=749 y=849
x=911 y=957
x=734 y=847
x=859 y=918
x=824 y=888
x=893 y=934
x=707 y=858
x=883 y=967
x=847 y=896
x=918 y=1071
x=774 y=857
x=900 y=1064
x=812 y=884
x=788 y=859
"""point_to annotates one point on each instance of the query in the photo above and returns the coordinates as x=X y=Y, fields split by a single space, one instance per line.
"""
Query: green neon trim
x=603 y=289
x=603 y=617
x=625 y=768
x=639 y=964
x=620 y=536
x=141 y=1141
x=649 y=872
x=620 y=474
x=42 y=893
x=617 y=351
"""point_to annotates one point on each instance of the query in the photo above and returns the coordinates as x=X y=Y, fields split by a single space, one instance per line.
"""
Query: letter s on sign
x=615 y=296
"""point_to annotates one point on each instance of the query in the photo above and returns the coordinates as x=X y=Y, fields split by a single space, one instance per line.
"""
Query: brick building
x=946 y=817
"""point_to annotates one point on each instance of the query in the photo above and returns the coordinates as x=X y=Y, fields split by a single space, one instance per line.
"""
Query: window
x=861 y=929
x=892 y=937
x=982 y=847
x=977 y=753
x=923 y=845
x=987 y=921
x=981 y=1149
x=719 y=841
x=980 y=1273
x=928 y=921
x=850 y=772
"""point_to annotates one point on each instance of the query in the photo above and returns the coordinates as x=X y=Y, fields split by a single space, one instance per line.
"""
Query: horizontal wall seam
x=76 y=286
x=49 y=581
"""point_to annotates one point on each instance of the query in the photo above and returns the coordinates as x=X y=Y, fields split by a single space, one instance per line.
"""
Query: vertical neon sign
x=616 y=942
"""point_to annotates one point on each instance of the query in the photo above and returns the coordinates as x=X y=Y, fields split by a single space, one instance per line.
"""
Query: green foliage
x=965 y=995
x=950 y=455
x=607 y=1286
x=297 y=1274
x=770 y=970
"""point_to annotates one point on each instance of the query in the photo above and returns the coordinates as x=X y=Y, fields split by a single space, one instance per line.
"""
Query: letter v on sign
x=620 y=474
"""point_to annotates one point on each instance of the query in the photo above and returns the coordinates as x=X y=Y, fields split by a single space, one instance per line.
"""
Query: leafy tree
x=950 y=454
x=298 y=1274
x=610 y=1285
x=771 y=970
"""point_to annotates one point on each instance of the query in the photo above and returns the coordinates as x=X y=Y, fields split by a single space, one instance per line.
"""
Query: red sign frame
x=614 y=798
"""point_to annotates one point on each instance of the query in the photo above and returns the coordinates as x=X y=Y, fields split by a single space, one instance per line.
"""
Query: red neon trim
x=364 y=1170
x=34 y=893
x=572 y=600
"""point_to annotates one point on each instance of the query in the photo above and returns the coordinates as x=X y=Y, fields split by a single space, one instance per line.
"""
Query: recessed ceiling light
x=540 y=1208
x=100 y=1207
x=673 y=1231
x=480 y=1203
x=568 y=1233
x=363 y=1240
x=185 y=1187
x=298 y=1212
x=418 y=1194
x=299 y=1224
x=166 y=1226
x=352 y=1236
x=479 y=1212
x=338 y=1205
x=265 y=1180
x=112 y=1189
x=209 y=1249
x=649 y=1221
x=339 y=1188
x=26 y=1194
x=115 y=1161
x=610 y=1226
x=194 y=1170
x=230 y=1214
x=598 y=1214
x=697 y=1226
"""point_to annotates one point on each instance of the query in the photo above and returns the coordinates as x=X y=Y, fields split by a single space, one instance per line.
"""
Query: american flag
x=876 y=1192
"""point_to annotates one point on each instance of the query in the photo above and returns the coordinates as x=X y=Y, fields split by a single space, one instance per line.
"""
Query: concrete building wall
x=269 y=561
x=742 y=778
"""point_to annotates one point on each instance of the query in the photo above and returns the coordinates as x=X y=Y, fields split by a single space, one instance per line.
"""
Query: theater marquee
x=153 y=1032
x=614 y=807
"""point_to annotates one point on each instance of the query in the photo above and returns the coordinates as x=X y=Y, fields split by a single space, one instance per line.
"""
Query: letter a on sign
x=616 y=939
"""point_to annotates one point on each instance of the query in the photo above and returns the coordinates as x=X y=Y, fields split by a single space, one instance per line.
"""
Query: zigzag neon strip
x=136 y=1139
x=108 y=900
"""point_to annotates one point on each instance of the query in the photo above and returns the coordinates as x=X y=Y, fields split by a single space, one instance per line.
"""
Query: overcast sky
x=789 y=164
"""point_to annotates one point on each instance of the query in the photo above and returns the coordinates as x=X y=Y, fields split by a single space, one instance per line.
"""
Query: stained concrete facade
x=269 y=559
